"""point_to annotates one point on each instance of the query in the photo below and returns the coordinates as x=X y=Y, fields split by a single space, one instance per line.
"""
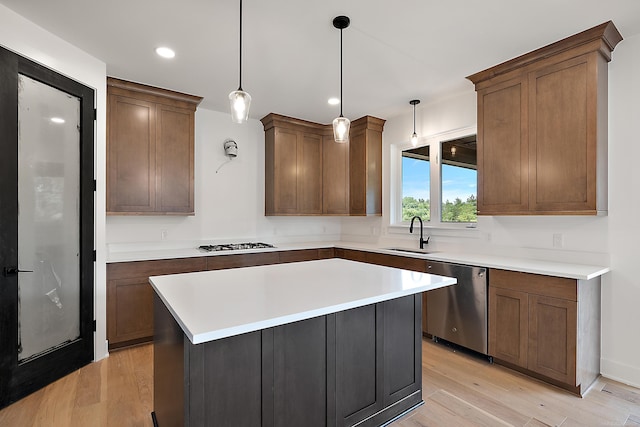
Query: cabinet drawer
x=241 y=260
x=555 y=287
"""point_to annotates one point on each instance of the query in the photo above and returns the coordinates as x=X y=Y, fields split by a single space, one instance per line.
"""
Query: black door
x=46 y=226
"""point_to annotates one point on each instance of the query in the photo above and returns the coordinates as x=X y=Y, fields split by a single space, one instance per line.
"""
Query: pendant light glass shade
x=239 y=101
x=341 y=127
x=414 y=137
x=341 y=124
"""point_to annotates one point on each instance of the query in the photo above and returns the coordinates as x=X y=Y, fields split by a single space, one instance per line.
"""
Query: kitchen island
x=327 y=342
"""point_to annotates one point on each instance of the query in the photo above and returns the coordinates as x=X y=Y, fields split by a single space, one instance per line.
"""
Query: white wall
x=605 y=240
x=621 y=288
x=229 y=203
x=29 y=40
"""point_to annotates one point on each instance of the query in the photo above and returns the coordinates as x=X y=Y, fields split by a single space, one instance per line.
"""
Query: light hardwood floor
x=458 y=390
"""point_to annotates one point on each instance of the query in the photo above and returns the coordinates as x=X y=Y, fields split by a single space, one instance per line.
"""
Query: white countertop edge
x=525 y=265
x=200 y=338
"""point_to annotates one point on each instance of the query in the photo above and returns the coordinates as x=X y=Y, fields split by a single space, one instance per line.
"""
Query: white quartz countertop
x=211 y=305
x=525 y=265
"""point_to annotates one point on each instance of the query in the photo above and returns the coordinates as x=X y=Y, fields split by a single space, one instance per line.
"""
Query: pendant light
x=239 y=100
x=414 y=137
x=341 y=124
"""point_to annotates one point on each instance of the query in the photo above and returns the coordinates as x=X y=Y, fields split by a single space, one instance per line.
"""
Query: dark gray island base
x=361 y=366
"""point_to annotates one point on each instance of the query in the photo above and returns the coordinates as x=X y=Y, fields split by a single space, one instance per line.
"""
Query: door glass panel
x=48 y=218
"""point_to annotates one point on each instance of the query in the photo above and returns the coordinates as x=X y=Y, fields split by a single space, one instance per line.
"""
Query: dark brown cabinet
x=359 y=366
x=130 y=297
x=548 y=326
x=150 y=150
x=542 y=128
x=308 y=173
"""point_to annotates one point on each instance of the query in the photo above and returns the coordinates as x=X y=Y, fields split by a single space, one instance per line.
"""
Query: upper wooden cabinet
x=308 y=173
x=542 y=128
x=150 y=150
x=365 y=166
x=293 y=166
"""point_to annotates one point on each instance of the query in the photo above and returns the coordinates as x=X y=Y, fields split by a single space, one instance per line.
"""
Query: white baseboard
x=620 y=372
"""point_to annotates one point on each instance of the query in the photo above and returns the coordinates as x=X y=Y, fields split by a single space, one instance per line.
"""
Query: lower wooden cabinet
x=549 y=327
x=356 y=366
x=130 y=297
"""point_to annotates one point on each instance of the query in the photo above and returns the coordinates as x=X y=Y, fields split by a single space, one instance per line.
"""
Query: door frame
x=20 y=379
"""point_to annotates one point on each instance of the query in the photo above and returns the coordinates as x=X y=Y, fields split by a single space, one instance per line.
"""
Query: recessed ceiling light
x=334 y=101
x=165 y=52
x=57 y=120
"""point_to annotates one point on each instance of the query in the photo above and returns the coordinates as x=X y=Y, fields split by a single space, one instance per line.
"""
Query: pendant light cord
x=240 y=82
x=341 y=72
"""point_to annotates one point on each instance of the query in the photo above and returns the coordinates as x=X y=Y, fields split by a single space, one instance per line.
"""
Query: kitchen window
x=437 y=181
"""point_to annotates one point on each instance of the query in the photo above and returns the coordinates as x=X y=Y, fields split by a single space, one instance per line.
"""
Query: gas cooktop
x=235 y=246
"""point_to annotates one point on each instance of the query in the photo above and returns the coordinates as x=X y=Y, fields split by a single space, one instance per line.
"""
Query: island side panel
x=168 y=367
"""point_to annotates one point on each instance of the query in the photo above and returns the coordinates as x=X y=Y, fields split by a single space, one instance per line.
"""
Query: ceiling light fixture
x=57 y=120
x=165 y=52
x=341 y=124
x=239 y=100
x=414 y=137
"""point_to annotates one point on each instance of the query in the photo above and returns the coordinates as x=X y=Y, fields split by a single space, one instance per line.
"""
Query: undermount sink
x=415 y=251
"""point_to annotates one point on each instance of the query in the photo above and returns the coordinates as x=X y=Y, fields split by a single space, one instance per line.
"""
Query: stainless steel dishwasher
x=458 y=313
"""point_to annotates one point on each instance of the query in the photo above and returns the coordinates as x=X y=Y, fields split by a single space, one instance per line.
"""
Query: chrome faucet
x=422 y=241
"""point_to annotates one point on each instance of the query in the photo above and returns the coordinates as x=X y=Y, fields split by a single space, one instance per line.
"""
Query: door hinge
x=95 y=185
x=94 y=255
x=94 y=326
x=95 y=114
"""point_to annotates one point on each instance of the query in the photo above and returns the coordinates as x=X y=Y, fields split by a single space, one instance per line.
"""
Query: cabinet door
x=563 y=136
x=503 y=148
x=131 y=155
x=508 y=325
x=309 y=174
x=285 y=171
x=129 y=311
x=402 y=347
x=552 y=338
x=359 y=375
x=174 y=160
x=335 y=177
x=299 y=362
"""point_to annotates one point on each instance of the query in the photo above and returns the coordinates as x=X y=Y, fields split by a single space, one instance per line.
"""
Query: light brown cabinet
x=293 y=166
x=549 y=327
x=308 y=173
x=365 y=166
x=130 y=297
x=150 y=150
x=542 y=128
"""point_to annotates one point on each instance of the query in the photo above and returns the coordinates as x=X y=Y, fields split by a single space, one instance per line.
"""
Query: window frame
x=435 y=145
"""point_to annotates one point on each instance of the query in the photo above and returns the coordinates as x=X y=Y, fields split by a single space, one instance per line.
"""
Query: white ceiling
x=394 y=51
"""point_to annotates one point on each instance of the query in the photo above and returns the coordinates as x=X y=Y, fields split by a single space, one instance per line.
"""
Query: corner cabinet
x=542 y=128
x=547 y=327
x=150 y=150
x=308 y=173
